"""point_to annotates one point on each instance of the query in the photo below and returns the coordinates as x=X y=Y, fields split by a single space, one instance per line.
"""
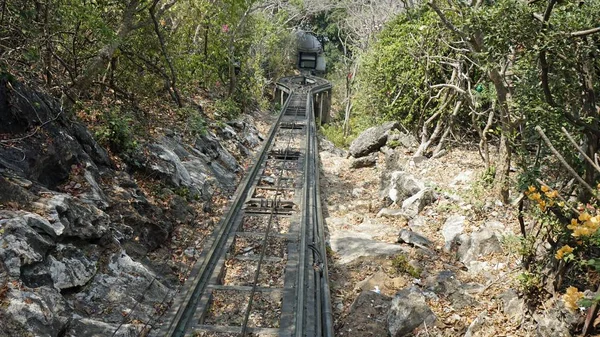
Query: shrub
x=116 y=131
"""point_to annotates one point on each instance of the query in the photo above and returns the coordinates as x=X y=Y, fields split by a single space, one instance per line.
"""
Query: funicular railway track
x=264 y=272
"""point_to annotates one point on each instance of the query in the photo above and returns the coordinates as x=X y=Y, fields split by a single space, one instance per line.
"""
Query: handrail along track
x=290 y=280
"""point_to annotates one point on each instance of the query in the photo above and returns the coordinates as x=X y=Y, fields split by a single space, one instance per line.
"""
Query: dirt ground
x=354 y=196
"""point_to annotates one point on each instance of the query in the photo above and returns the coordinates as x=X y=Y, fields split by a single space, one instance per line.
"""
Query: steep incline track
x=265 y=271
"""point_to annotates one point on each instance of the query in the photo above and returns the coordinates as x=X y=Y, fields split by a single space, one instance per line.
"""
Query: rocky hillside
x=419 y=248
x=92 y=245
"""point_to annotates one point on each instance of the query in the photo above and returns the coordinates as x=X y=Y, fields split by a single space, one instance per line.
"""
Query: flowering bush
x=573 y=231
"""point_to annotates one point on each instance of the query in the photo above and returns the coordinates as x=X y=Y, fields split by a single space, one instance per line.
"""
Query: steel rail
x=306 y=273
x=187 y=308
x=266 y=237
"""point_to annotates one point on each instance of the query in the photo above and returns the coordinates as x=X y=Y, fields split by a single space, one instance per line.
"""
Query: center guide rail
x=264 y=269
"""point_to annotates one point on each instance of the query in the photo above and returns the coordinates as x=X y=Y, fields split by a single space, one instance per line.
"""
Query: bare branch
x=572 y=140
x=564 y=163
x=585 y=32
x=451 y=86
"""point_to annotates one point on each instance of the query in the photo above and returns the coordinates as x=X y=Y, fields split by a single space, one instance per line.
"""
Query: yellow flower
x=532 y=188
x=562 y=251
x=535 y=196
x=542 y=205
x=585 y=216
x=552 y=194
x=571 y=297
x=544 y=188
x=574 y=224
x=561 y=204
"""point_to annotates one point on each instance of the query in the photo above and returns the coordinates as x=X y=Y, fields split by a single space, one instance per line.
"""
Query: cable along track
x=265 y=272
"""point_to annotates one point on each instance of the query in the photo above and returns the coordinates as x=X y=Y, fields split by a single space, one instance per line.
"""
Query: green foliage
x=116 y=131
x=226 y=109
x=397 y=73
x=401 y=265
x=335 y=134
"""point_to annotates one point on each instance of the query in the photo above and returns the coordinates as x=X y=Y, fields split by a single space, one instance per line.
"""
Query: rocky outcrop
x=367 y=316
x=372 y=139
x=74 y=229
x=408 y=311
x=44 y=157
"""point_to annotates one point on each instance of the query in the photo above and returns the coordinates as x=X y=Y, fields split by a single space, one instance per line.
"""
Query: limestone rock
x=83 y=221
x=446 y=284
x=402 y=186
x=372 y=139
x=405 y=140
x=452 y=228
x=93 y=328
x=367 y=316
x=21 y=245
x=480 y=243
x=70 y=267
x=350 y=245
x=410 y=237
x=512 y=305
x=367 y=161
x=417 y=223
x=415 y=204
x=42 y=311
x=391 y=213
x=408 y=311
x=119 y=289
x=210 y=145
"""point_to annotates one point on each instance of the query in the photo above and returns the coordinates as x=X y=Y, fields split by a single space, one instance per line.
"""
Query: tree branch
x=562 y=160
x=585 y=32
x=451 y=86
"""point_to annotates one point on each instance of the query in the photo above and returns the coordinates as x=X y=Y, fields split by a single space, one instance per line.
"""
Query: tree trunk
x=591 y=109
x=173 y=79
x=501 y=179
x=98 y=62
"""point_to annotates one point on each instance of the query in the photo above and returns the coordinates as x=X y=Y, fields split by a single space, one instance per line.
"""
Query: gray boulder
x=368 y=161
x=83 y=221
x=402 y=186
x=408 y=311
x=372 y=139
x=21 y=245
x=412 y=238
x=41 y=312
x=367 y=316
x=415 y=204
x=70 y=267
x=452 y=228
x=480 y=243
